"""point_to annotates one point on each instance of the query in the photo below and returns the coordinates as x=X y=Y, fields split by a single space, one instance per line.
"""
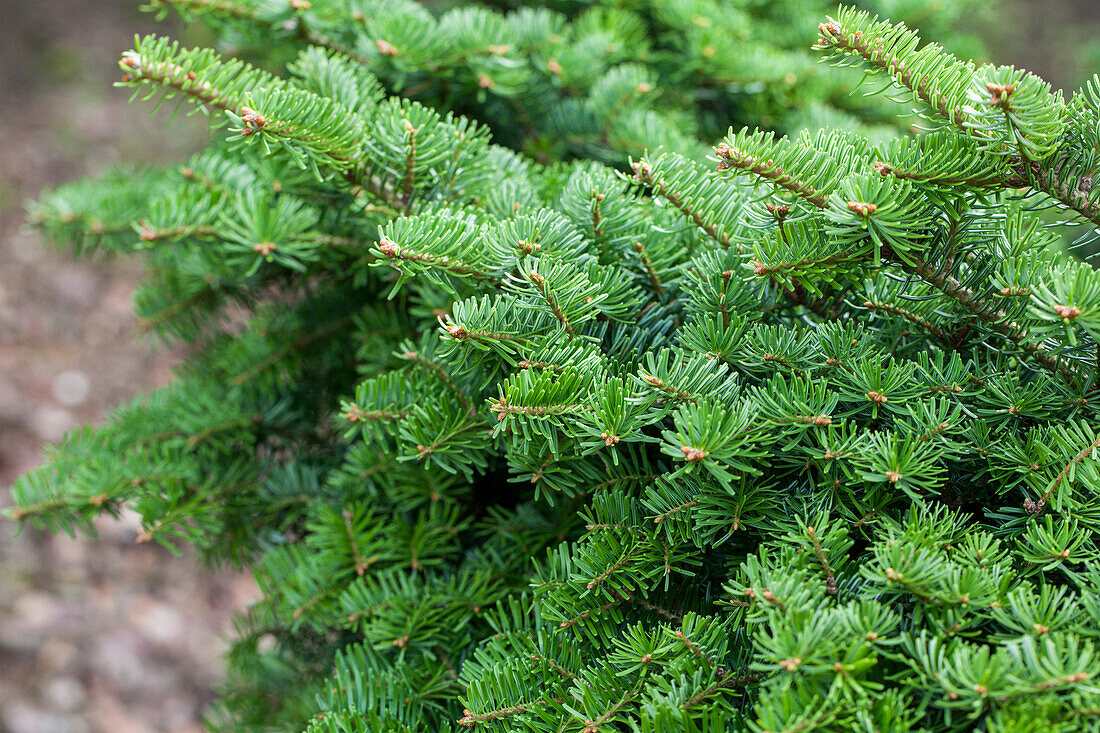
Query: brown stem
x=396 y=252
x=410 y=166
x=1049 y=182
x=674 y=510
x=647 y=263
x=471 y=719
x=644 y=174
x=725 y=680
x=544 y=290
x=830 y=579
x=885 y=169
x=909 y=316
x=988 y=313
x=834 y=36
x=1036 y=507
x=769 y=171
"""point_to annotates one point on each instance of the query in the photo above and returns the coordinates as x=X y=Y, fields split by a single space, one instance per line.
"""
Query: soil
x=95 y=635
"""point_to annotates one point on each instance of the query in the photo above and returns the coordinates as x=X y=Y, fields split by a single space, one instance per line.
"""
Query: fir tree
x=800 y=437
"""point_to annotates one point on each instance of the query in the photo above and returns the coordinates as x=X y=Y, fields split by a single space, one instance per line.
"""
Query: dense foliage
x=800 y=437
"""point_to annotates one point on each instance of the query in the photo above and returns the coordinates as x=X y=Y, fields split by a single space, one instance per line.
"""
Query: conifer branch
x=639 y=477
x=880 y=55
x=565 y=673
x=597 y=214
x=729 y=157
x=444 y=376
x=761 y=269
x=987 y=312
x=982 y=181
x=830 y=579
x=643 y=173
x=149 y=323
x=504 y=410
x=150 y=235
x=726 y=679
x=585 y=312
x=247 y=14
x=470 y=719
x=458 y=333
x=1047 y=179
x=674 y=510
x=410 y=165
x=1035 y=508
x=611 y=570
x=355 y=414
x=540 y=283
x=665 y=613
x=647 y=264
x=909 y=316
x=619 y=599
x=396 y=252
x=279 y=354
x=594 y=725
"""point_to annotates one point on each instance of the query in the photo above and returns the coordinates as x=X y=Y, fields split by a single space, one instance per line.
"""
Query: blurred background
x=105 y=635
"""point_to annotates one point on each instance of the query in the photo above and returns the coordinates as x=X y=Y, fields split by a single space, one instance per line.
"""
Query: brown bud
x=693 y=454
x=863 y=209
x=553 y=67
x=830 y=30
x=999 y=93
x=778 y=211
x=1067 y=311
x=385 y=48
x=388 y=247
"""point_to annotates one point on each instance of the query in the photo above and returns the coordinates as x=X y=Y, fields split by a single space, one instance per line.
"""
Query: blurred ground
x=108 y=636
x=95 y=636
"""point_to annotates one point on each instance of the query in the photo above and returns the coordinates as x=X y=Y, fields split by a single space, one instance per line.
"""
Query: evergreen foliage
x=802 y=437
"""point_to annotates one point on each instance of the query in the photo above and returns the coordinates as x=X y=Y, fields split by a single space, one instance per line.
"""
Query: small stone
x=50 y=423
x=71 y=387
x=64 y=694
